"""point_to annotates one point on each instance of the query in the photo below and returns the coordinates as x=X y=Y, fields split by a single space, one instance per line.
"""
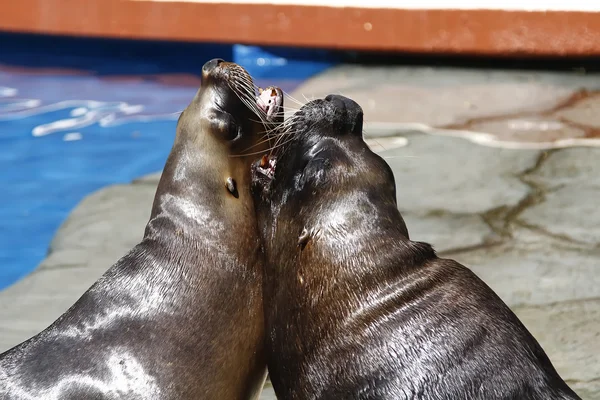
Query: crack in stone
x=43 y=268
x=556 y=236
x=144 y=183
x=521 y=306
x=572 y=381
x=492 y=218
x=53 y=248
x=449 y=253
x=536 y=192
x=537 y=196
x=572 y=101
x=487 y=240
x=501 y=218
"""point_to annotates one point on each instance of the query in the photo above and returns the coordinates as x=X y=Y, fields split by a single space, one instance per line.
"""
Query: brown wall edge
x=485 y=32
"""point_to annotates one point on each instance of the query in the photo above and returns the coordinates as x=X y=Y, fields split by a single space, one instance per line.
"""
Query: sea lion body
x=356 y=310
x=180 y=316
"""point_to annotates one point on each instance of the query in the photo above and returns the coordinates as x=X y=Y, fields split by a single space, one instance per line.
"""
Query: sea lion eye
x=225 y=125
x=229 y=127
x=235 y=131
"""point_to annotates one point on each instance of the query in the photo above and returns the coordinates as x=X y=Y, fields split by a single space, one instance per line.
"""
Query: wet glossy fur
x=359 y=311
x=180 y=316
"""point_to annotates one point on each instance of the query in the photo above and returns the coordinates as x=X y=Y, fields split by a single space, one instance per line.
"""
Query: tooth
x=264 y=161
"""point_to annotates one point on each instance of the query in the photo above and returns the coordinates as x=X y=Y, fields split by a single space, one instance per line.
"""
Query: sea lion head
x=324 y=169
x=225 y=110
x=223 y=129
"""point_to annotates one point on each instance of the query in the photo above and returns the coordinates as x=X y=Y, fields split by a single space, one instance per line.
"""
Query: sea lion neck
x=192 y=197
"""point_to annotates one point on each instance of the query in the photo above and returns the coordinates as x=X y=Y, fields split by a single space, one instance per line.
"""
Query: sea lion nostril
x=336 y=100
x=211 y=65
x=348 y=111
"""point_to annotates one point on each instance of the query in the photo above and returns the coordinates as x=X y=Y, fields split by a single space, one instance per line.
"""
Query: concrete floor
x=498 y=170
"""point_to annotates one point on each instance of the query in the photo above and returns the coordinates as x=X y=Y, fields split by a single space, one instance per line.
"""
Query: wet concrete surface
x=525 y=220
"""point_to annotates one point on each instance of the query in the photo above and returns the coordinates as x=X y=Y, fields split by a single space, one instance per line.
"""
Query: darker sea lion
x=356 y=310
x=181 y=315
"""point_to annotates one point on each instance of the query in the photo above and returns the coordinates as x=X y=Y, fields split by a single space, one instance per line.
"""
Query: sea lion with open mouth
x=356 y=310
x=181 y=315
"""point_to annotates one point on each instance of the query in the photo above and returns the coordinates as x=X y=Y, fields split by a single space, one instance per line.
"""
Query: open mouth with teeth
x=266 y=166
x=269 y=100
x=263 y=172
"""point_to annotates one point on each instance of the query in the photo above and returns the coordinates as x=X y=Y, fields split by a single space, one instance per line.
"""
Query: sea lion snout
x=349 y=111
x=209 y=66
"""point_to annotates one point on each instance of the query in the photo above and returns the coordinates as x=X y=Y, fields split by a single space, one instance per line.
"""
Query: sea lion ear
x=223 y=125
x=315 y=173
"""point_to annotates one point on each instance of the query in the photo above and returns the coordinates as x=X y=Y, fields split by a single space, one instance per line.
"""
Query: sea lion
x=181 y=315
x=356 y=310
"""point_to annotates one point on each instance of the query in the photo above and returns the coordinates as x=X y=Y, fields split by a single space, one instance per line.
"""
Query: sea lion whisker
x=243 y=86
x=246 y=94
x=272 y=123
x=306 y=99
x=252 y=106
x=257 y=111
x=278 y=131
x=267 y=139
x=242 y=90
x=289 y=122
x=281 y=127
x=292 y=135
x=376 y=141
x=278 y=145
x=293 y=100
x=247 y=79
x=260 y=112
x=261 y=142
x=278 y=140
x=248 y=154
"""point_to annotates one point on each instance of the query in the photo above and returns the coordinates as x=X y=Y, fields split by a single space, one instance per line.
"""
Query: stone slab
x=538 y=273
x=587 y=390
x=449 y=232
x=579 y=165
x=584 y=112
x=569 y=332
x=268 y=393
x=443 y=96
x=33 y=303
x=528 y=129
x=572 y=212
x=150 y=179
x=99 y=220
x=454 y=175
x=101 y=229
